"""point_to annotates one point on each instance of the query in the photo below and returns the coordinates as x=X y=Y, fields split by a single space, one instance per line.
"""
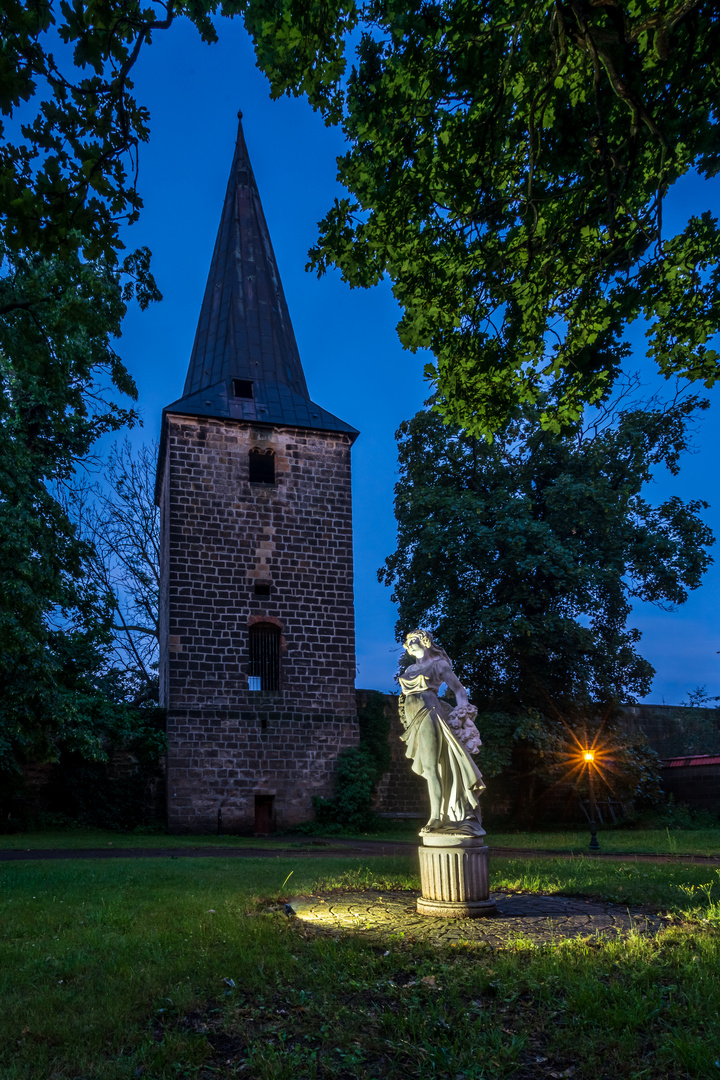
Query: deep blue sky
x=353 y=361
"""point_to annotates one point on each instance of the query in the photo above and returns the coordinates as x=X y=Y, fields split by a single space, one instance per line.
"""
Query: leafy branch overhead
x=71 y=177
x=508 y=167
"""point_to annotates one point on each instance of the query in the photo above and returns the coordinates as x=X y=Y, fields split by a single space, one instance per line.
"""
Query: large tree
x=59 y=377
x=508 y=166
x=66 y=185
x=524 y=556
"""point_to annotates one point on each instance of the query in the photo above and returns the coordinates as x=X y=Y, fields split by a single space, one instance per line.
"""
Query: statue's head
x=420 y=643
x=419 y=640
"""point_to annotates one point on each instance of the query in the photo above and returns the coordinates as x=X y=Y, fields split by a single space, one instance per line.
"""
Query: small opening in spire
x=242 y=388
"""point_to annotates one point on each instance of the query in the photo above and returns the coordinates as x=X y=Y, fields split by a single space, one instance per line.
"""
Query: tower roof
x=245 y=363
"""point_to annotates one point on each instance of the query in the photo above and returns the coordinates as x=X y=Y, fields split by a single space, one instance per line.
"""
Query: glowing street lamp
x=589 y=759
x=585 y=752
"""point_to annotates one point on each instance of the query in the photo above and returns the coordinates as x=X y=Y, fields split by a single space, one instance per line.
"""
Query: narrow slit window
x=242 y=388
x=262 y=466
x=264 y=657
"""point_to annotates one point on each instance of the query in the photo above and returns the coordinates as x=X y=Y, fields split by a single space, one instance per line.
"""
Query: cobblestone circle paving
x=539 y=919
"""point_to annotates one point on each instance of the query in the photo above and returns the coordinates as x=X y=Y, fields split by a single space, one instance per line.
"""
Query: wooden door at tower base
x=264 y=814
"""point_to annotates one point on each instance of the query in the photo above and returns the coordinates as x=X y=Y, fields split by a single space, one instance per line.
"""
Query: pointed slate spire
x=245 y=362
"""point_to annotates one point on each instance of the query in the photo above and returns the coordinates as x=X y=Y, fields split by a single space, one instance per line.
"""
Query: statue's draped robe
x=460 y=777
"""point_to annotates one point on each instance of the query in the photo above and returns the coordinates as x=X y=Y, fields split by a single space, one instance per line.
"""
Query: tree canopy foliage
x=68 y=171
x=508 y=165
x=524 y=557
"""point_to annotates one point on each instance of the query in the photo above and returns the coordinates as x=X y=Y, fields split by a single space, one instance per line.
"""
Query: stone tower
x=257 y=641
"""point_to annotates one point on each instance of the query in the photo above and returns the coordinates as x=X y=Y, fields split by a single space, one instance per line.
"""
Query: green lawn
x=161 y=968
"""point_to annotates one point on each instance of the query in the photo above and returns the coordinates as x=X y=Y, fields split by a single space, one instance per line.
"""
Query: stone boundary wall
x=671 y=731
x=675 y=730
x=400 y=792
x=696 y=785
x=48 y=790
x=291 y=756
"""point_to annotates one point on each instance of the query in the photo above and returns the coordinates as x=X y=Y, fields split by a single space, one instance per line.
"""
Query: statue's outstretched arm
x=449 y=677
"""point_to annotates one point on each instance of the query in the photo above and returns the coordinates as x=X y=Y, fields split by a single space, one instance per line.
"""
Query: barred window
x=262 y=466
x=264 y=657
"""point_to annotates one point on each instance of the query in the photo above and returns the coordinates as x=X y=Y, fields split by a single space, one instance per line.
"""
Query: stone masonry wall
x=221 y=534
x=225 y=533
x=222 y=759
x=400 y=792
x=164 y=587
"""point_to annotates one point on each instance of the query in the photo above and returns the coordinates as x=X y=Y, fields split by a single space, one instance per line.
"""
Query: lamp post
x=589 y=759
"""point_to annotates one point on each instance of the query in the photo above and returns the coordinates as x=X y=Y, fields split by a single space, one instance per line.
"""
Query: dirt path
x=323 y=849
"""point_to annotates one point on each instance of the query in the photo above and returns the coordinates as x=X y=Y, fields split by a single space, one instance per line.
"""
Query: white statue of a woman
x=439 y=740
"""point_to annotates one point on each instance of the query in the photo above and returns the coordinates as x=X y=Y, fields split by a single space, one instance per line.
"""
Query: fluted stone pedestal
x=454 y=877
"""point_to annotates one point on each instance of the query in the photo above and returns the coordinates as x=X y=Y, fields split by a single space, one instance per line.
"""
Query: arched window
x=262 y=466
x=264 y=657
